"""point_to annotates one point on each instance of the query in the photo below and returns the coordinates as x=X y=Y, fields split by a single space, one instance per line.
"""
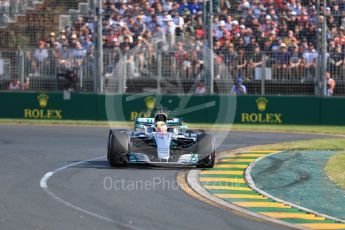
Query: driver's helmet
x=161 y=117
x=161 y=127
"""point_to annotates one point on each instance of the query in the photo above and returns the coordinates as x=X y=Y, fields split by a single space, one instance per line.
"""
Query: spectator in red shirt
x=330 y=84
x=340 y=39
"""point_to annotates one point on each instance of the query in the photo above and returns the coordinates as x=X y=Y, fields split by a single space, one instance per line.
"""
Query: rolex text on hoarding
x=269 y=118
x=42 y=114
x=261 y=117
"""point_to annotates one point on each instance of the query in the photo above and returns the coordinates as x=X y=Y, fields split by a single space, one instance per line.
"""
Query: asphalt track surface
x=29 y=152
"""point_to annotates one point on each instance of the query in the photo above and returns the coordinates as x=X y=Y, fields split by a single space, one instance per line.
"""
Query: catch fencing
x=159 y=72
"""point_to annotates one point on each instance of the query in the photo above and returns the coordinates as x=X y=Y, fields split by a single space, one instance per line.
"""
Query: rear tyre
x=117 y=148
x=205 y=148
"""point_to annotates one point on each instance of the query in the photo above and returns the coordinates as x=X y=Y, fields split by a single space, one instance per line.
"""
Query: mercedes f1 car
x=160 y=140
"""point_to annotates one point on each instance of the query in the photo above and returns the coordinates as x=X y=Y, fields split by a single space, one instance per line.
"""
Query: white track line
x=44 y=186
x=45 y=178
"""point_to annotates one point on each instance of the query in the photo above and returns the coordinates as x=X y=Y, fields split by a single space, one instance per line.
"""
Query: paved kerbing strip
x=214 y=179
x=242 y=160
x=222 y=172
x=232 y=166
x=227 y=182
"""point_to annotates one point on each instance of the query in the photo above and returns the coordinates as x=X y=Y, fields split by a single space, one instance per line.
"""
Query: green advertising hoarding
x=278 y=110
x=197 y=109
x=50 y=106
x=332 y=111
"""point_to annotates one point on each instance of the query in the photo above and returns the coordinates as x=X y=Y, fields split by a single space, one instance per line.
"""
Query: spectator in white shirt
x=40 y=58
x=200 y=89
x=14 y=85
x=41 y=53
x=310 y=58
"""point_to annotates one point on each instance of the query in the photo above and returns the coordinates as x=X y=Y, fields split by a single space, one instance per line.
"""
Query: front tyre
x=205 y=148
x=117 y=148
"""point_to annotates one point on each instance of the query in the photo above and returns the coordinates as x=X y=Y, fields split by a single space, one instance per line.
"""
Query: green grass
x=335 y=168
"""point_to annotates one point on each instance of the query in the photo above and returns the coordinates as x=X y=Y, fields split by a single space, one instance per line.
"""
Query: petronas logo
x=43 y=100
x=261 y=103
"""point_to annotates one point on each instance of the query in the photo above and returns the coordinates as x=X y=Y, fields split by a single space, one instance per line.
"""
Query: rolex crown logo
x=261 y=103
x=150 y=102
x=43 y=100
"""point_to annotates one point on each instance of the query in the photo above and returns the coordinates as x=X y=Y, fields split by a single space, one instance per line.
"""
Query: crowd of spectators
x=287 y=33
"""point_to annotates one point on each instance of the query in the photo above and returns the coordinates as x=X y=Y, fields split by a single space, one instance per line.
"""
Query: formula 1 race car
x=160 y=140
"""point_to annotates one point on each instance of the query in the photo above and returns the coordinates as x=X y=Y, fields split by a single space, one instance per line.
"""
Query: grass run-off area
x=335 y=168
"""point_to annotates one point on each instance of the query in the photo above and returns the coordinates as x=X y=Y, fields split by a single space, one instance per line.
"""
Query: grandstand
x=54 y=43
